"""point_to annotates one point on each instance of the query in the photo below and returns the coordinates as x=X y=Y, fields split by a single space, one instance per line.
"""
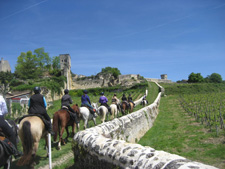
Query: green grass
x=176 y=132
x=41 y=159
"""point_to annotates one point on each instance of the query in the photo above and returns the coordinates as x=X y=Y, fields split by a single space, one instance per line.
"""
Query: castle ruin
x=65 y=66
x=4 y=66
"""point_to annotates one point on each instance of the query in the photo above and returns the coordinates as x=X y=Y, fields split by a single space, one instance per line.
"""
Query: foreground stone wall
x=112 y=145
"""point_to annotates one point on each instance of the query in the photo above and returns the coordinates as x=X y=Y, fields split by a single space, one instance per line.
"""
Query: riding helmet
x=66 y=91
x=85 y=91
x=37 y=90
x=102 y=93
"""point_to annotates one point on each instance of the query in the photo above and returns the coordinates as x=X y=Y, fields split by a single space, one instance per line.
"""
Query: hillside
x=178 y=132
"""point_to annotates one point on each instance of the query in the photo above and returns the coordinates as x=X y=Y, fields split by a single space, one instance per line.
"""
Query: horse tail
x=55 y=124
x=27 y=144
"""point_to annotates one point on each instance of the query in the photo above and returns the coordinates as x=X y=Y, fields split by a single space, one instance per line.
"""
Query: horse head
x=76 y=108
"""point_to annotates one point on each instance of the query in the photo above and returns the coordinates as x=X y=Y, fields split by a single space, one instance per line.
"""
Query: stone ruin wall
x=113 y=145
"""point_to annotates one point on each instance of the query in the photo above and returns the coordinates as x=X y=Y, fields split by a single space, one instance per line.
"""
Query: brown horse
x=31 y=130
x=62 y=118
x=127 y=109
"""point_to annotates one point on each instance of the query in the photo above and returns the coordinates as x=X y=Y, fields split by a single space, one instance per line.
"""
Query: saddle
x=46 y=122
x=8 y=146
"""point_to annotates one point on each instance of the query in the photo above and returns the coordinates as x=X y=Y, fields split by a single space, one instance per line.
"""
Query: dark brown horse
x=127 y=109
x=62 y=119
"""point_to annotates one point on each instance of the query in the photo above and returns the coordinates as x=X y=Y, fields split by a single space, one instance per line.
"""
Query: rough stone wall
x=112 y=145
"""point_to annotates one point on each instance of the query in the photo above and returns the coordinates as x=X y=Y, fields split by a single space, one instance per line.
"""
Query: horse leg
x=67 y=134
x=7 y=165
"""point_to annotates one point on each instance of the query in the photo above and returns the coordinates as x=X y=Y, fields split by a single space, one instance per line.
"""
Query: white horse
x=86 y=116
x=144 y=103
x=114 y=111
x=102 y=112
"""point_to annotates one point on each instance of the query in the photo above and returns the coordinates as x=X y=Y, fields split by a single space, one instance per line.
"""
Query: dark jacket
x=66 y=100
x=37 y=105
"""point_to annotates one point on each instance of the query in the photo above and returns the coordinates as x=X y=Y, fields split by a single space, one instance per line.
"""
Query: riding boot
x=49 y=127
x=74 y=117
x=93 y=113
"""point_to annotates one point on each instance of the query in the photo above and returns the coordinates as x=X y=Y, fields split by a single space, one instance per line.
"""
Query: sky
x=147 y=37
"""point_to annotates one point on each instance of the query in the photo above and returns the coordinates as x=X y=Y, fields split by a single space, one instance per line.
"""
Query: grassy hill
x=176 y=131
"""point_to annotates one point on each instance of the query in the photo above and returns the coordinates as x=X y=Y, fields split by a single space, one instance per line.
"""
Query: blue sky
x=147 y=37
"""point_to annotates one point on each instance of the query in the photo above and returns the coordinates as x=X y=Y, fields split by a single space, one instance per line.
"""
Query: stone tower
x=164 y=76
x=4 y=66
x=65 y=66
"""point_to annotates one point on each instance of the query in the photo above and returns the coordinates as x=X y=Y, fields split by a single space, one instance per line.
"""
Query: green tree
x=5 y=80
x=27 y=66
x=43 y=59
x=215 y=78
x=56 y=62
x=115 y=71
x=195 y=78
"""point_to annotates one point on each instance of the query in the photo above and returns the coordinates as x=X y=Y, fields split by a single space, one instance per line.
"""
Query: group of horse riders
x=37 y=106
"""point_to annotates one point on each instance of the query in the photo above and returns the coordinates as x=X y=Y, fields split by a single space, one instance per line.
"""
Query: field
x=66 y=151
x=189 y=125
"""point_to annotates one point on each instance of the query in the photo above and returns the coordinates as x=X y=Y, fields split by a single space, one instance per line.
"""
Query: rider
x=85 y=101
x=124 y=99
x=115 y=100
x=37 y=105
x=144 y=98
x=130 y=99
x=103 y=100
x=8 y=131
x=65 y=102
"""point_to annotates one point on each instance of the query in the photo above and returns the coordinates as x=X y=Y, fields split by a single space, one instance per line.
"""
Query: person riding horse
x=115 y=101
x=124 y=99
x=65 y=103
x=37 y=106
x=6 y=129
x=103 y=100
x=130 y=99
x=85 y=101
x=144 y=98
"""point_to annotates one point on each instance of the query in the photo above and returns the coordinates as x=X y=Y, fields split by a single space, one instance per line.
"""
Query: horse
x=103 y=113
x=31 y=130
x=144 y=103
x=62 y=119
x=127 y=109
x=114 y=111
x=87 y=115
x=6 y=159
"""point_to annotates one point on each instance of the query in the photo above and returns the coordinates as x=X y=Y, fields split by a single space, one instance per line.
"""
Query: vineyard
x=206 y=108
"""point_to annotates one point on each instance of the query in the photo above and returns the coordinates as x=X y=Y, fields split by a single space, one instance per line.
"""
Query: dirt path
x=59 y=161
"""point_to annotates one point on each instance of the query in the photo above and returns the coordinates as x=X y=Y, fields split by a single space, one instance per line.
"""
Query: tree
x=56 y=62
x=195 y=78
x=43 y=59
x=27 y=66
x=215 y=78
x=5 y=80
x=115 y=71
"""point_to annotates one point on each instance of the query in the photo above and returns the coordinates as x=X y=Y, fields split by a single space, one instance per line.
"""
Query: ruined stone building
x=4 y=66
x=65 y=66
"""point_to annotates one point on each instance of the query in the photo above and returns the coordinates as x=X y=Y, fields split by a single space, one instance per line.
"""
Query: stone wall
x=113 y=145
